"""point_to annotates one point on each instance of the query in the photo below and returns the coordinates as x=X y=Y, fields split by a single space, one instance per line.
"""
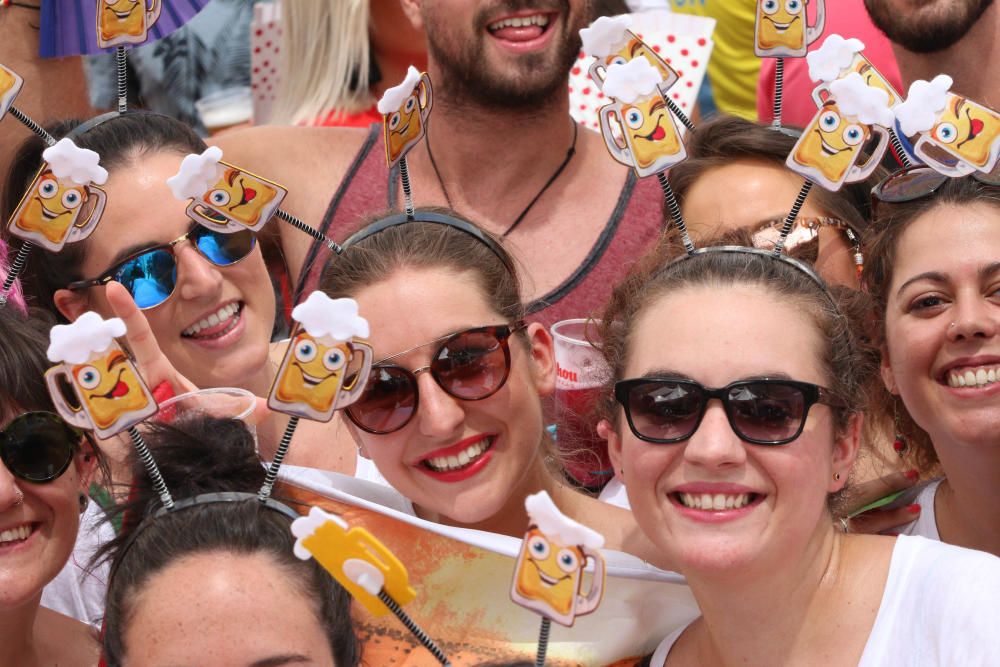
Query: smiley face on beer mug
x=323 y=353
x=109 y=394
x=405 y=109
x=224 y=197
x=638 y=128
x=967 y=131
x=781 y=28
x=609 y=40
x=62 y=205
x=830 y=150
x=354 y=557
x=121 y=22
x=835 y=59
x=10 y=86
x=548 y=576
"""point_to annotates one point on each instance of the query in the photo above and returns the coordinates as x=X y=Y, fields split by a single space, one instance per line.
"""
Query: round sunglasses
x=150 y=275
x=38 y=446
x=469 y=365
x=763 y=412
x=921 y=181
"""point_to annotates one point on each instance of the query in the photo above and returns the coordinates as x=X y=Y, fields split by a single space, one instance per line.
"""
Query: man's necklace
x=569 y=156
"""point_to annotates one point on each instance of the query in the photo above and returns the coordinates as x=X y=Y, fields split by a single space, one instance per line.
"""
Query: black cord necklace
x=569 y=156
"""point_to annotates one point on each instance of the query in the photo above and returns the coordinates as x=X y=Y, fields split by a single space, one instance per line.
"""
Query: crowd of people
x=808 y=437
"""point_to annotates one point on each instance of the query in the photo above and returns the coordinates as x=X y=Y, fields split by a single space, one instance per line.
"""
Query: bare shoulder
x=61 y=640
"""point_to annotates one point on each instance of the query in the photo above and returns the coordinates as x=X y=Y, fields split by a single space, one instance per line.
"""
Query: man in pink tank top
x=501 y=149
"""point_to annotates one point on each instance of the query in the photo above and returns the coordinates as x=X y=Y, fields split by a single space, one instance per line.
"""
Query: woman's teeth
x=979 y=377
x=464 y=458
x=221 y=315
x=520 y=21
x=717 y=501
x=18 y=534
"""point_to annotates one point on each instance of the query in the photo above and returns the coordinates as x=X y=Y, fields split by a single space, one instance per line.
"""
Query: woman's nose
x=440 y=413
x=197 y=278
x=714 y=444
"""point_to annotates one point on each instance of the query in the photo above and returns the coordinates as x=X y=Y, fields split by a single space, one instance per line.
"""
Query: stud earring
x=836 y=476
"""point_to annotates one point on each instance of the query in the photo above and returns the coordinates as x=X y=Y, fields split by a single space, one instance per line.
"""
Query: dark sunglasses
x=469 y=365
x=38 y=446
x=763 y=412
x=150 y=275
x=920 y=181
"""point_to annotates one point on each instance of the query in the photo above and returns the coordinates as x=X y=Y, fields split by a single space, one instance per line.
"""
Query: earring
x=859 y=257
x=836 y=476
x=899 y=441
x=82 y=501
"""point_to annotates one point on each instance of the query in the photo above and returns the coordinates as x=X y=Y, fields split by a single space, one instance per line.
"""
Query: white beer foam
x=856 y=98
x=602 y=36
x=393 y=98
x=631 y=81
x=323 y=317
x=544 y=514
x=306 y=526
x=197 y=174
x=833 y=57
x=923 y=103
x=80 y=165
x=75 y=343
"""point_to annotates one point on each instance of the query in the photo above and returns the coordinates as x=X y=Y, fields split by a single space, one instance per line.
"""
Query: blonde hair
x=325 y=60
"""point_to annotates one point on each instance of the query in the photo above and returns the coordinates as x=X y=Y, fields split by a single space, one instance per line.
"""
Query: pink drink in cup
x=580 y=376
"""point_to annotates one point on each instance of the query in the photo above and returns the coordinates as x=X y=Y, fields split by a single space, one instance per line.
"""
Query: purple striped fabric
x=69 y=27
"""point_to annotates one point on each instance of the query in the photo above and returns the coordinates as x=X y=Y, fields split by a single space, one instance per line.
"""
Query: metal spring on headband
x=676 y=110
x=675 y=212
x=311 y=231
x=779 y=89
x=33 y=126
x=15 y=270
x=279 y=456
x=154 y=472
x=421 y=636
x=121 y=68
x=543 y=642
x=897 y=146
x=786 y=229
x=404 y=176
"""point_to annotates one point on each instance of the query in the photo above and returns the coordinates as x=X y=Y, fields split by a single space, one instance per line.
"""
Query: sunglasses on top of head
x=919 y=181
x=469 y=365
x=38 y=446
x=150 y=275
x=666 y=410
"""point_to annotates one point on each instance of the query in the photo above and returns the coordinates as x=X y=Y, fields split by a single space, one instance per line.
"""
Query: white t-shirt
x=77 y=591
x=926 y=523
x=938 y=608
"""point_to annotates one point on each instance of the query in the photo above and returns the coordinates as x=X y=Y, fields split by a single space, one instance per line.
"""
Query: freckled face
x=969 y=130
x=651 y=131
x=240 y=196
x=549 y=571
x=121 y=17
x=404 y=126
x=51 y=208
x=110 y=388
x=830 y=144
x=781 y=24
x=313 y=374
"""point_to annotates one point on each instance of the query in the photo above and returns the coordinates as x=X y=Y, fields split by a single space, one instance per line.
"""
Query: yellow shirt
x=733 y=69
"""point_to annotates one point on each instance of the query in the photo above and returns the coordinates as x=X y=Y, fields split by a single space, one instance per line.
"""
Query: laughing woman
x=934 y=273
x=735 y=417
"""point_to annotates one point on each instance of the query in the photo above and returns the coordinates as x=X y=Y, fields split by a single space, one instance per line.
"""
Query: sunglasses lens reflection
x=667 y=411
x=388 y=402
x=38 y=448
x=224 y=249
x=909 y=185
x=150 y=278
x=767 y=412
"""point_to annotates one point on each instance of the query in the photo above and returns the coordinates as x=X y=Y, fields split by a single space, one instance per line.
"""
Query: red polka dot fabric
x=265 y=58
x=685 y=42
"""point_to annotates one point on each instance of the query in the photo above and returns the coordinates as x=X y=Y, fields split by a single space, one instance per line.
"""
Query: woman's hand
x=886 y=517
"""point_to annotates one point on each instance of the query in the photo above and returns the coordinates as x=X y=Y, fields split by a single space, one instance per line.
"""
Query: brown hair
x=849 y=364
x=420 y=244
x=882 y=242
x=725 y=139
x=119 y=141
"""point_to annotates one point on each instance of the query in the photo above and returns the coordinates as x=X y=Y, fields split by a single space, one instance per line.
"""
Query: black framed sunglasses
x=38 y=446
x=469 y=365
x=767 y=411
x=150 y=275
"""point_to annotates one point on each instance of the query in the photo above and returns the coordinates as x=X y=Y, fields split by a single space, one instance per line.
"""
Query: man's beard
x=927 y=31
x=528 y=84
